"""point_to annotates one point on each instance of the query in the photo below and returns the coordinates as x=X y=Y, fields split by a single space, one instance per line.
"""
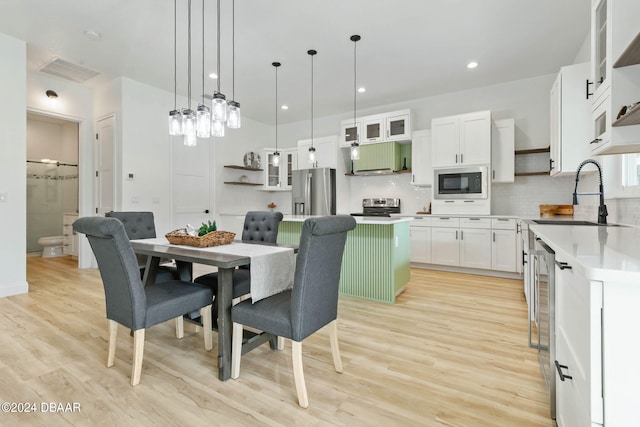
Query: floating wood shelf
x=241 y=183
x=534 y=151
x=531 y=173
x=631 y=55
x=381 y=174
x=244 y=168
x=632 y=117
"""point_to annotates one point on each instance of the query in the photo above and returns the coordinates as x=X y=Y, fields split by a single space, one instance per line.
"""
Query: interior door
x=192 y=187
x=105 y=164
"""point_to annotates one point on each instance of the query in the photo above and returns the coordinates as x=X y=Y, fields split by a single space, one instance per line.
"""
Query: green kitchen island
x=376 y=264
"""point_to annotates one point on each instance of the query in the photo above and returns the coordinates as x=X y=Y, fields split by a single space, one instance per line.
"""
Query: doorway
x=52 y=176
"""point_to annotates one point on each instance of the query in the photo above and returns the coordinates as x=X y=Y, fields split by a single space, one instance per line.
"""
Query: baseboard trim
x=14 y=289
x=465 y=270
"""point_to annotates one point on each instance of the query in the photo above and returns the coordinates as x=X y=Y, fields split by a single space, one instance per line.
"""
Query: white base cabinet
x=469 y=242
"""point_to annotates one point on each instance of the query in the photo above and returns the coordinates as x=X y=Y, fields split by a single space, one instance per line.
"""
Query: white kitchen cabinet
x=383 y=127
x=420 y=232
x=569 y=120
x=504 y=246
x=69 y=236
x=326 y=152
x=279 y=178
x=503 y=151
x=461 y=140
x=398 y=126
x=615 y=81
x=578 y=305
x=445 y=246
x=349 y=132
x=475 y=248
x=421 y=170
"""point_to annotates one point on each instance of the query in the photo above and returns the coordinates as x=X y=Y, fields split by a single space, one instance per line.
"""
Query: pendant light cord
x=175 y=55
x=233 y=49
x=189 y=59
x=355 y=85
x=277 y=106
x=202 y=52
x=218 y=43
x=311 y=100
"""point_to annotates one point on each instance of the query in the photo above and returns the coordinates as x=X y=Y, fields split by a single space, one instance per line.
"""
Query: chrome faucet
x=602 y=209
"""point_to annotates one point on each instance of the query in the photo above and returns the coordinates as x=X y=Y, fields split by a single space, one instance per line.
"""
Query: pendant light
x=312 y=151
x=188 y=116
x=175 y=117
x=233 y=107
x=219 y=102
x=275 y=157
x=355 y=147
x=203 y=116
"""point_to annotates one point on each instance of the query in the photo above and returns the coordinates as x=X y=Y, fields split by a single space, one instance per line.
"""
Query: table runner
x=272 y=267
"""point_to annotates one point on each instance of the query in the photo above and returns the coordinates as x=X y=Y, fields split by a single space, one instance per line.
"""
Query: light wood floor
x=451 y=352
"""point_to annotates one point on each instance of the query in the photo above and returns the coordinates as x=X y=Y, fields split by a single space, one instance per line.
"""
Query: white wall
x=13 y=150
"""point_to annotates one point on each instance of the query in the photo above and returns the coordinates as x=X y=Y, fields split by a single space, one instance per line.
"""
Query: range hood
x=378 y=159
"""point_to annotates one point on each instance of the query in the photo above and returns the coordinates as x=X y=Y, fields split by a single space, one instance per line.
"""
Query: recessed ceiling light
x=213 y=76
x=92 y=34
x=285 y=107
x=362 y=89
x=472 y=65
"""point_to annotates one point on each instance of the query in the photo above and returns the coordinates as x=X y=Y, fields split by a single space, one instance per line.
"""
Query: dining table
x=158 y=249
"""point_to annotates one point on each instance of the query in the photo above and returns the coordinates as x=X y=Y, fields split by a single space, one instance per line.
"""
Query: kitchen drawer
x=445 y=221
x=421 y=221
x=503 y=223
x=475 y=222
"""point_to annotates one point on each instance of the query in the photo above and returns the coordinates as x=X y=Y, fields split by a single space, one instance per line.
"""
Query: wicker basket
x=215 y=238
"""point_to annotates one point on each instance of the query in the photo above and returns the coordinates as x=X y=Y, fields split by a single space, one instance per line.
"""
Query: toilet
x=51 y=246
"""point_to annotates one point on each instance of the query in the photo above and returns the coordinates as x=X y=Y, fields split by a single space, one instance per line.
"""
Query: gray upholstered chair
x=258 y=226
x=128 y=301
x=311 y=304
x=141 y=225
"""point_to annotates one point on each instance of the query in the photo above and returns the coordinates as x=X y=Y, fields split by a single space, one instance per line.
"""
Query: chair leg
x=138 y=351
x=113 y=334
x=205 y=315
x=280 y=345
x=236 y=350
x=298 y=373
x=335 y=350
x=179 y=327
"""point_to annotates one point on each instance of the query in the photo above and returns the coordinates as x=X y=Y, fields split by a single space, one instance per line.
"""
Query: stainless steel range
x=379 y=207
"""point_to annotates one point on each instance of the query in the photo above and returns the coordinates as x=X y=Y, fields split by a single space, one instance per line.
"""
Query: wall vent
x=68 y=71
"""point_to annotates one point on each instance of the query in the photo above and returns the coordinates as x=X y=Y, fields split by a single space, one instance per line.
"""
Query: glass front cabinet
x=279 y=178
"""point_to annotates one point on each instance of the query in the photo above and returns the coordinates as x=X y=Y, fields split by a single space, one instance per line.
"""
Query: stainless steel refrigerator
x=313 y=192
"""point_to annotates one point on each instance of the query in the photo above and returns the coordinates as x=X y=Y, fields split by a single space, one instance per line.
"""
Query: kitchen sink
x=571 y=222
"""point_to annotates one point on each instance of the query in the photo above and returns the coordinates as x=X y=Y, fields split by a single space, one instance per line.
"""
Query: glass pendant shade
x=203 y=122
x=355 y=151
x=233 y=115
x=217 y=128
x=219 y=107
x=188 y=122
x=312 y=155
x=175 y=122
x=190 y=140
x=275 y=158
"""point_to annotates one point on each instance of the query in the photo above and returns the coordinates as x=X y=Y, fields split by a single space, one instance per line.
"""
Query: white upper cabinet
x=421 y=170
x=461 y=140
x=385 y=127
x=503 y=151
x=279 y=178
x=569 y=120
x=326 y=152
x=615 y=77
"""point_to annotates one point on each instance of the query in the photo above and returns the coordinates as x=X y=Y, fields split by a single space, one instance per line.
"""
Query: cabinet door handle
x=551 y=162
x=587 y=89
x=461 y=161
x=494 y=174
x=456 y=158
x=456 y=234
x=562 y=375
x=461 y=235
x=494 y=236
x=563 y=265
x=595 y=141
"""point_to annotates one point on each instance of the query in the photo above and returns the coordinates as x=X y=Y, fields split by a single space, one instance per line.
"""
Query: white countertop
x=403 y=215
x=359 y=219
x=604 y=253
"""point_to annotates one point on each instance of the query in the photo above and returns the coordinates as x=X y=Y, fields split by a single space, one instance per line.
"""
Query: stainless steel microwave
x=461 y=183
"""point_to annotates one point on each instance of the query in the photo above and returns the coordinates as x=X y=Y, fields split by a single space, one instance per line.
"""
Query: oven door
x=461 y=183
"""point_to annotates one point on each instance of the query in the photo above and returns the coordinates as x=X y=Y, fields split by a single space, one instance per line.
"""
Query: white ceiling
x=409 y=48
